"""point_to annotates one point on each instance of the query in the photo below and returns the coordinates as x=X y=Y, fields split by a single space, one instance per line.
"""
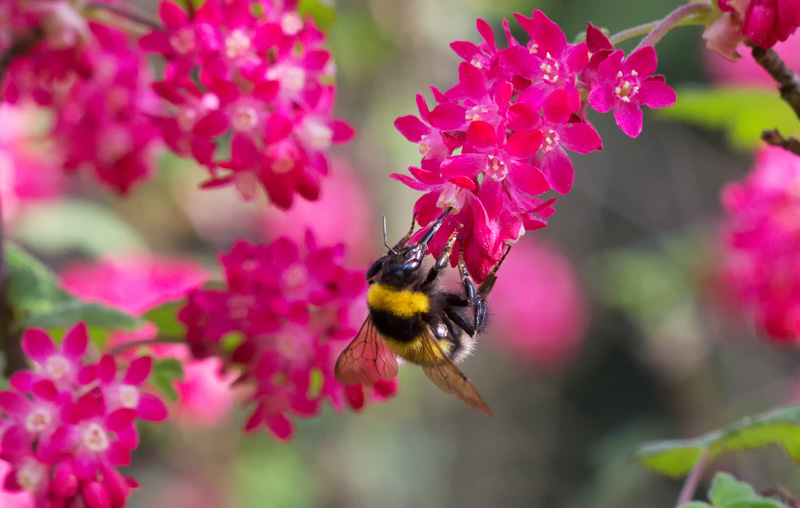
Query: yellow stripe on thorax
x=400 y=302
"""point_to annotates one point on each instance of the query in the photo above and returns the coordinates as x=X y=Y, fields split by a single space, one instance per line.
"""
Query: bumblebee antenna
x=386 y=238
x=435 y=227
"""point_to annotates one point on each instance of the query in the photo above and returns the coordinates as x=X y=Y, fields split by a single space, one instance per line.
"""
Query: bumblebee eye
x=375 y=268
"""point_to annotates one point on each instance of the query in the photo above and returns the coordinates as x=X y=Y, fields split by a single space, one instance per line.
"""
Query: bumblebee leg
x=443 y=260
x=473 y=296
x=487 y=285
x=403 y=241
x=459 y=320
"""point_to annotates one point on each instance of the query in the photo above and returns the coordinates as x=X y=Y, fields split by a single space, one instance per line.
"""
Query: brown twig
x=788 y=81
x=775 y=138
x=11 y=340
x=783 y=495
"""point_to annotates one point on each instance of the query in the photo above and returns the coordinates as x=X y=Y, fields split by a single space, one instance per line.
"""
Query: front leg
x=442 y=261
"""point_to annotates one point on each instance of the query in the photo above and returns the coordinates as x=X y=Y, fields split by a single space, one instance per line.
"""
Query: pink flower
x=60 y=365
x=761 y=238
x=548 y=61
x=547 y=326
x=286 y=313
x=12 y=499
x=100 y=93
x=626 y=86
x=264 y=82
x=205 y=395
x=64 y=434
x=28 y=167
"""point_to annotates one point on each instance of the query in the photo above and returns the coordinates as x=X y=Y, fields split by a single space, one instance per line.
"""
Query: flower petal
x=151 y=408
x=469 y=165
x=138 y=370
x=523 y=144
x=37 y=344
x=412 y=128
x=558 y=170
x=527 y=178
x=448 y=116
x=580 y=138
x=656 y=94
x=643 y=60
x=76 y=342
x=629 y=118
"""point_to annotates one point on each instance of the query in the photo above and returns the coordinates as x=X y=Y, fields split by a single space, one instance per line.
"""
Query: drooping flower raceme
x=500 y=138
x=67 y=425
x=265 y=82
x=98 y=86
x=761 y=240
x=287 y=312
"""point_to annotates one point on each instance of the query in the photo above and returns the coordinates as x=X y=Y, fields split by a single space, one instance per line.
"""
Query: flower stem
x=655 y=30
x=11 y=339
x=144 y=343
x=693 y=480
x=775 y=138
x=683 y=15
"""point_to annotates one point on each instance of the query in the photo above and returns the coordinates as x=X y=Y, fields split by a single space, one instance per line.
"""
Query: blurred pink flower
x=12 y=499
x=136 y=285
x=537 y=311
x=28 y=168
x=761 y=238
x=745 y=71
x=205 y=394
x=342 y=214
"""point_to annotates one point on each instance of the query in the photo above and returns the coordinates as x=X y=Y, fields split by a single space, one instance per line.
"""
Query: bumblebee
x=412 y=317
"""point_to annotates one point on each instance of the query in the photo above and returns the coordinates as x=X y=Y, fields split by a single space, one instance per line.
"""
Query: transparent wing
x=366 y=360
x=448 y=378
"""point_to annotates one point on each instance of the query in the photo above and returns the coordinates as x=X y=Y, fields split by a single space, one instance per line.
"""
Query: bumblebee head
x=403 y=261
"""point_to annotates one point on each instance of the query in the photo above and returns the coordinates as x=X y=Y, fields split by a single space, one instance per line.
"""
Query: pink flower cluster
x=68 y=424
x=99 y=87
x=761 y=242
x=265 y=82
x=501 y=136
x=287 y=312
x=765 y=22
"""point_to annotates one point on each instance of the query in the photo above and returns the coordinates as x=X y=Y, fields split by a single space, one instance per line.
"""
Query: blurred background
x=608 y=328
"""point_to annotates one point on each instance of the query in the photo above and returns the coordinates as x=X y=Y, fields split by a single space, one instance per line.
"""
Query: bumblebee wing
x=448 y=378
x=366 y=359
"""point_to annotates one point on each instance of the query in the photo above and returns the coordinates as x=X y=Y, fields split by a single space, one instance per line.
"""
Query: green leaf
x=165 y=372
x=742 y=113
x=165 y=317
x=728 y=492
x=725 y=490
x=38 y=301
x=777 y=427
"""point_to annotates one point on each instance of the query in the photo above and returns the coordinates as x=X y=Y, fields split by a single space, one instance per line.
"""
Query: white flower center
x=245 y=118
x=129 y=396
x=295 y=276
x=57 y=367
x=475 y=113
x=239 y=306
x=95 y=438
x=452 y=196
x=291 y=23
x=551 y=140
x=317 y=136
x=496 y=169
x=292 y=78
x=183 y=42
x=31 y=475
x=38 y=420
x=627 y=88
x=550 y=68
x=237 y=44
